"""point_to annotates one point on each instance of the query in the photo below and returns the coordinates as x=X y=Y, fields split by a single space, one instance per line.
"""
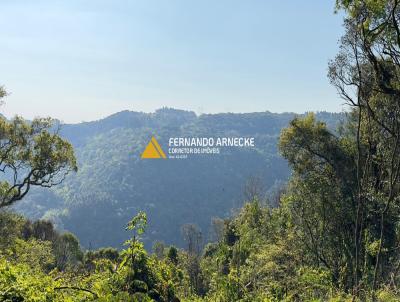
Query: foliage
x=113 y=183
x=31 y=155
x=36 y=270
x=332 y=235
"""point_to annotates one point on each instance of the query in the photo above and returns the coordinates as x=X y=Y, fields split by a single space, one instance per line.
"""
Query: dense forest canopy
x=113 y=183
x=332 y=234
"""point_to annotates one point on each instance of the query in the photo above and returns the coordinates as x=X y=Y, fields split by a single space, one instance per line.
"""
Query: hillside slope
x=113 y=183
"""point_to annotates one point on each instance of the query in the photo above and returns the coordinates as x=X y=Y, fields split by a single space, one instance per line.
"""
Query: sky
x=82 y=60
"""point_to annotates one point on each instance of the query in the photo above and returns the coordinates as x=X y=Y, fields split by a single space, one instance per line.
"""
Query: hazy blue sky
x=82 y=60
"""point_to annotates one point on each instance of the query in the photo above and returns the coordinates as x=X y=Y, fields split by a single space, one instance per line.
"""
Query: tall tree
x=366 y=73
x=322 y=194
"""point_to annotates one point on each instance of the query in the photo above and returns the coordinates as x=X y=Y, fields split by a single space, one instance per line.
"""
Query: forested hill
x=113 y=183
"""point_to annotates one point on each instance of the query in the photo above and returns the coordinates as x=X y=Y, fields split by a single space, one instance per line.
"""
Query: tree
x=31 y=154
x=158 y=249
x=321 y=194
x=11 y=226
x=172 y=255
x=67 y=251
x=134 y=257
x=217 y=229
x=254 y=189
x=144 y=278
x=44 y=230
x=366 y=75
x=193 y=237
x=137 y=225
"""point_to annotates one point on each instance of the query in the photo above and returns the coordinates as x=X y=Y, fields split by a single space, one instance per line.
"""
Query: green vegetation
x=30 y=155
x=39 y=264
x=113 y=183
x=331 y=234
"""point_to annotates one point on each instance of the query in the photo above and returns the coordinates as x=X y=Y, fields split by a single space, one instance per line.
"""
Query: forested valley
x=113 y=183
x=331 y=233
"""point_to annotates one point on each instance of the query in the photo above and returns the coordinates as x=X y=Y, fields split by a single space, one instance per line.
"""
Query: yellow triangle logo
x=153 y=150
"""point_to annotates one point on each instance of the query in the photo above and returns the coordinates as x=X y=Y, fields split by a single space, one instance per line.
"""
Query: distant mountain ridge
x=113 y=183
